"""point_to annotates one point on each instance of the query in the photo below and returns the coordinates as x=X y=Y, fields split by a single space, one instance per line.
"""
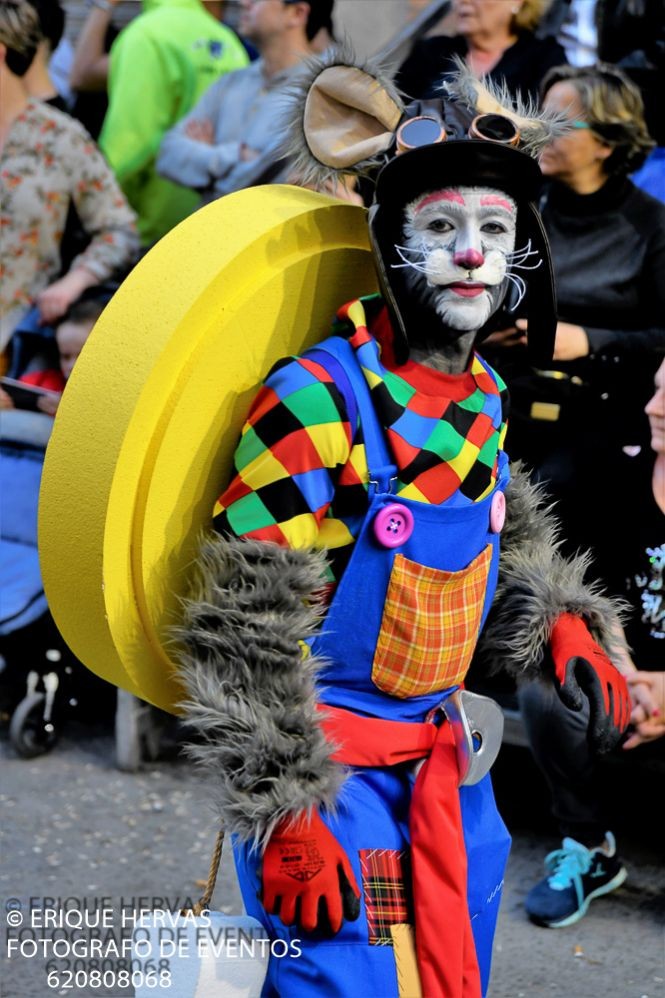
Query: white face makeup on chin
x=456 y=252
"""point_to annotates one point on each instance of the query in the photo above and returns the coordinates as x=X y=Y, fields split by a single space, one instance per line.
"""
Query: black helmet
x=347 y=119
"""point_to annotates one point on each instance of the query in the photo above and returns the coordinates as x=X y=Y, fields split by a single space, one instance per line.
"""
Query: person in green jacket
x=160 y=65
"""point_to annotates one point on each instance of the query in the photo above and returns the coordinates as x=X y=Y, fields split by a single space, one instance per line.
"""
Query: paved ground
x=75 y=826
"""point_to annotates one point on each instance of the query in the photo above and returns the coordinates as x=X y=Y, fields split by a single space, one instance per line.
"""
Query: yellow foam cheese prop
x=143 y=441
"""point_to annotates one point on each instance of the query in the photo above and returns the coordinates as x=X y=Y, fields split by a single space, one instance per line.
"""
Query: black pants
x=558 y=740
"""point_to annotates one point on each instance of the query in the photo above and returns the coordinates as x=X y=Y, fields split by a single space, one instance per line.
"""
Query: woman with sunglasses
x=608 y=252
x=581 y=425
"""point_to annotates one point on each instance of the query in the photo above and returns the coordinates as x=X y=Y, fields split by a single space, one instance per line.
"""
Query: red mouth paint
x=467 y=290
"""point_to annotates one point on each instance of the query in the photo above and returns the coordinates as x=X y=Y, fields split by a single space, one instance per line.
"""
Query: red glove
x=581 y=666
x=307 y=877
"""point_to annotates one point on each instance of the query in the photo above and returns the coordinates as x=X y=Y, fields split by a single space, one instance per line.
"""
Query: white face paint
x=458 y=244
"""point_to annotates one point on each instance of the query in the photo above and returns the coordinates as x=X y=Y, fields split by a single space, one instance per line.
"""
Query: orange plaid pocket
x=430 y=626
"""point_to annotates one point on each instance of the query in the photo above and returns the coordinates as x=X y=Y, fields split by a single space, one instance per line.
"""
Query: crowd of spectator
x=186 y=110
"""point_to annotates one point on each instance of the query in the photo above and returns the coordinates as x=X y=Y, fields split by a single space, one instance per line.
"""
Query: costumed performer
x=337 y=610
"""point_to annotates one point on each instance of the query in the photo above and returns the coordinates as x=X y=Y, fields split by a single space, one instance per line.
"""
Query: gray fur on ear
x=536 y=585
x=538 y=126
x=251 y=692
x=349 y=122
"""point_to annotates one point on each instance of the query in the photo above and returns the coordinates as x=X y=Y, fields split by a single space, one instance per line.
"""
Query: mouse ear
x=343 y=118
x=537 y=126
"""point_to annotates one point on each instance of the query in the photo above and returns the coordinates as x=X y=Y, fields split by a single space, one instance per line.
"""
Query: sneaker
x=576 y=875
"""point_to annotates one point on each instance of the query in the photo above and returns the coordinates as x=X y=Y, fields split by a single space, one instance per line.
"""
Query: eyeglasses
x=578 y=124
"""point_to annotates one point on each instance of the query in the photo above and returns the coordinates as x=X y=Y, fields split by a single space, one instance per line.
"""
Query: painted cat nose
x=469 y=259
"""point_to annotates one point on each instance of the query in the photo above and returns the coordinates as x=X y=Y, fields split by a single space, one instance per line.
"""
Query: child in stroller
x=41 y=682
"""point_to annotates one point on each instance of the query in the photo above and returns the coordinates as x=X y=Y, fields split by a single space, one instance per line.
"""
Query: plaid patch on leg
x=386 y=886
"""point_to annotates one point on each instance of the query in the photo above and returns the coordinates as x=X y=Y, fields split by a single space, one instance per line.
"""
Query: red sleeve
x=50 y=379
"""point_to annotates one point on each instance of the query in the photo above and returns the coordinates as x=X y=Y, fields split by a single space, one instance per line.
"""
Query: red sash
x=444 y=941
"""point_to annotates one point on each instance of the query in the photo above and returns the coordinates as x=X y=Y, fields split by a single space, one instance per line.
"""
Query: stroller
x=41 y=683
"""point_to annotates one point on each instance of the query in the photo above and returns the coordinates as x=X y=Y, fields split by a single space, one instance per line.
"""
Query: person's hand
x=49 y=404
x=648 y=716
x=6 y=401
x=512 y=337
x=645 y=705
x=54 y=300
x=571 y=342
x=200 y=130
x=581 y=668
x=307 y=878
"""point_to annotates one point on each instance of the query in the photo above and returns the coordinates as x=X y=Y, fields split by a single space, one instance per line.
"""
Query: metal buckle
x=477 y=724
x=375 y=482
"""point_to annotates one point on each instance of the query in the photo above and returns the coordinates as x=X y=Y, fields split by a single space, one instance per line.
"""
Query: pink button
x=393 y=525
x=497 y=512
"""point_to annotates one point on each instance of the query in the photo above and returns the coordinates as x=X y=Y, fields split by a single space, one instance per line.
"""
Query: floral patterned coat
x=49 y=161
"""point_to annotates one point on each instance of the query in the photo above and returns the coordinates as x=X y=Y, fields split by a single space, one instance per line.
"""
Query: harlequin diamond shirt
x=301 y=476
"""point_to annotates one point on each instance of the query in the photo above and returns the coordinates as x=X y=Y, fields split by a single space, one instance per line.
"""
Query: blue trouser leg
x=373 y=814
x=487 y=845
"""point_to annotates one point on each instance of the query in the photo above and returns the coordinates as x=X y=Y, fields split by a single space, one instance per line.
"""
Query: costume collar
x=370 y=320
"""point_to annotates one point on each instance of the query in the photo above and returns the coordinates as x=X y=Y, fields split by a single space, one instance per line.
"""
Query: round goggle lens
x=494 y=128
x=421 y=131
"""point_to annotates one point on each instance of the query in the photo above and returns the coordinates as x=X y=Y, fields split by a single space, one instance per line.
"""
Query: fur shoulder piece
x=250 y=691
x=536 y=585
x=342 y=114
x=537 y=125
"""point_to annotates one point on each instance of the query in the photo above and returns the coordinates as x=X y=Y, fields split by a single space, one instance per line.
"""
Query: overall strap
x=503 y=469
x=338 y=358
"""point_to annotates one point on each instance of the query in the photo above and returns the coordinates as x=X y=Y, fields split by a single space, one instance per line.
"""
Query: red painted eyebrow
x=493 y=199
x=441 y=196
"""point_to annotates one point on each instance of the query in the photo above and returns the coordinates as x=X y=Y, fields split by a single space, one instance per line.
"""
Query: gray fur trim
x=310 y=171
x=251 y=694
x=538 y=126
x=530 y=519
x=536 y=585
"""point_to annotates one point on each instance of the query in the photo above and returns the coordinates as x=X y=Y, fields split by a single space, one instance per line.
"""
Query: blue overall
x=373 y=806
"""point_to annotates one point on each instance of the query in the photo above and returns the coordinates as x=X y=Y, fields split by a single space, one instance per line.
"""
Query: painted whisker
x=523 y=251
x=520 y=285
x=523 y=266
x=414 y=265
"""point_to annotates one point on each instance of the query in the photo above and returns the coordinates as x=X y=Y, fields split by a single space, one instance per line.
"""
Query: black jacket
x=522 y=66
x=608 y=250
x=608 y=253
